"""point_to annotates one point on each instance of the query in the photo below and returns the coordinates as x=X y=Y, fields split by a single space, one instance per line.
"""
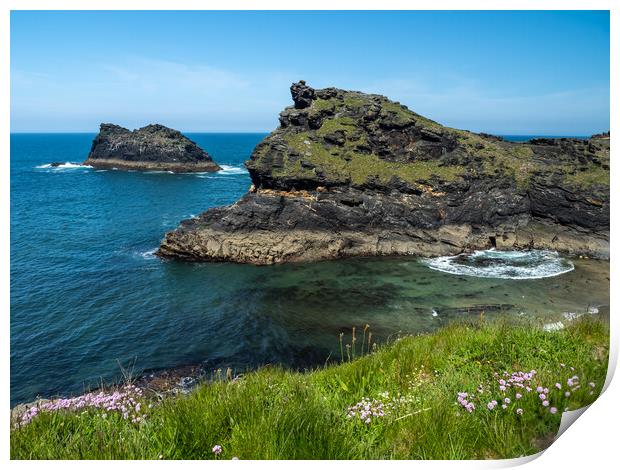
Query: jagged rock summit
x=153 y=147
x=355 y=174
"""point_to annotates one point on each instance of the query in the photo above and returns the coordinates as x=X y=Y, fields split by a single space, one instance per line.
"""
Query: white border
x=592 y=443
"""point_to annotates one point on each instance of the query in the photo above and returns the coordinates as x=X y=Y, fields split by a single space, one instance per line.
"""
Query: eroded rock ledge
x=153 y=147
x=353 y=174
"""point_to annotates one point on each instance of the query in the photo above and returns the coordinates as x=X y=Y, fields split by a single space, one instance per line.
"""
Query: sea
x=90 y=299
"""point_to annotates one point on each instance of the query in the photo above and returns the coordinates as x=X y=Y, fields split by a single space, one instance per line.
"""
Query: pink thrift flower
x=545 y=403
x=519 y=411
x=217 y=449
x=518 y=395
x=558 y=386
x=553 y=410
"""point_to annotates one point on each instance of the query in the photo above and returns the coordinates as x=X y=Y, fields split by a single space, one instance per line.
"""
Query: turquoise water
x=87 y=293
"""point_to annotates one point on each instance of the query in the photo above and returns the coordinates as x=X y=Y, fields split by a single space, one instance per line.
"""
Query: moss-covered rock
x=350 y=174
x=344 y=137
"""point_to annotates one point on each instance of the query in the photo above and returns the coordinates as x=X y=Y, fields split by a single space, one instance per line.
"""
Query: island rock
x=354 y=174
x=153 y=147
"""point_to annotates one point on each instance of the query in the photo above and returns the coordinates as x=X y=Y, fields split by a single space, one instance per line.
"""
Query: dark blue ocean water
x=87 y=293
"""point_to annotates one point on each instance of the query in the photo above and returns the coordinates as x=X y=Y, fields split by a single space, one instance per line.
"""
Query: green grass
x=344 y=124
x=513 y=160
x=591 y=175
x=400 y=115
x=355 y=100
x=277 y=414
x=352 y=161
x=319 y=105
x=357 y=167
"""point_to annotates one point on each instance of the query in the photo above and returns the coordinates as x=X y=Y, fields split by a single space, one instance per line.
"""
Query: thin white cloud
x=465 y=103
x=136 y=91
x=155 y=75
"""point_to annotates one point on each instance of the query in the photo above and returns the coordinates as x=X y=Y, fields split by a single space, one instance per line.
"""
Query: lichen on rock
x=384 y=180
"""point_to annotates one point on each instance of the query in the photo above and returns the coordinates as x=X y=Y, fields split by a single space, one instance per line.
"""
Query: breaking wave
x=532 y=264
x=150 y=254
x=232 y=170
x=63 y=166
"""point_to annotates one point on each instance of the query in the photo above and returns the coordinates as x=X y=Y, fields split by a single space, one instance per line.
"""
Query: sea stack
x=153 y=147
x=355 y=174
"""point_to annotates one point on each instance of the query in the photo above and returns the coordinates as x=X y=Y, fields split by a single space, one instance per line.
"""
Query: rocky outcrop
x=153 y=147
x=353 y=174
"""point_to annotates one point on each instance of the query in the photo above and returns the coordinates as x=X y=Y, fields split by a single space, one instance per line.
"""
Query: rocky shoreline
x=150 y=148
x=180 y=380
x=353 y=174
x=158 y=383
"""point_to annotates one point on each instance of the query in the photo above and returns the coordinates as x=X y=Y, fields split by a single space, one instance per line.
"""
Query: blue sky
x=498 y=72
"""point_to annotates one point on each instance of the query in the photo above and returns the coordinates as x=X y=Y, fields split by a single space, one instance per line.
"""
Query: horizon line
x=539 y=134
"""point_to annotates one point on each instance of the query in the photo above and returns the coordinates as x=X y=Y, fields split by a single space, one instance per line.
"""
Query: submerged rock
x=354 y=174
x=154 y=147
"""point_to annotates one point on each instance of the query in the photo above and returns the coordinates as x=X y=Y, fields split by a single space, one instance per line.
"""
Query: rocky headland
x=355 y=174
x=153 y=147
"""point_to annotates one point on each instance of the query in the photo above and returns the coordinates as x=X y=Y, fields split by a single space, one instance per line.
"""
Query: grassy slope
x=273 y=414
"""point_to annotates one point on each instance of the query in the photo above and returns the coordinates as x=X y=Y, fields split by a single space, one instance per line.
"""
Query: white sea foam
x=553 y=326
x=150 y=254
x=232 y=170
x=532 y=264
x=570 y=316
x=63 y=166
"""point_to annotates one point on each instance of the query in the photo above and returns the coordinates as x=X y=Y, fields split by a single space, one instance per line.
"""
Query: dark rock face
x=154 y=147
x=302 y=94
x=352 y=174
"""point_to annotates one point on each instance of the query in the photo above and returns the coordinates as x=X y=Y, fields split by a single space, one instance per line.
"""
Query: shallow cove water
x=87 y=292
